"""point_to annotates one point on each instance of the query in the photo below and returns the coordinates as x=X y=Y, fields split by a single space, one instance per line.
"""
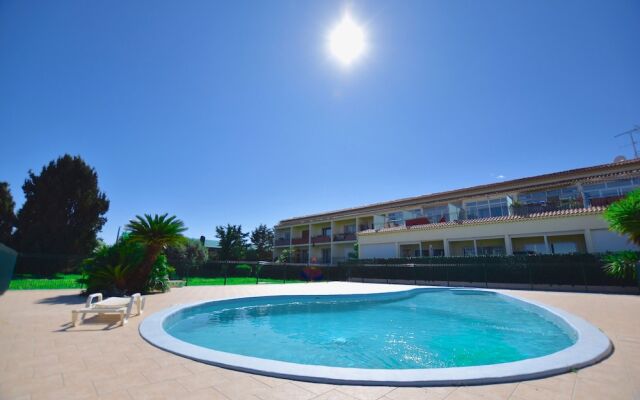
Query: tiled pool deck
x=42 y=359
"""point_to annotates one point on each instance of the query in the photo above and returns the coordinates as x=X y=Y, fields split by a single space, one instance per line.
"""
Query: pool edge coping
x=591 y=347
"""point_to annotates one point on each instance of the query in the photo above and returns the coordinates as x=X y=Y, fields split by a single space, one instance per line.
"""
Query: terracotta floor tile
x=365 y=392
x=40 y=359
x=525 y=391
x=168 y=389
x=201 y=380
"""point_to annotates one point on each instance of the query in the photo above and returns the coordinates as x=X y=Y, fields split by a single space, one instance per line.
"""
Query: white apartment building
x=553 y=213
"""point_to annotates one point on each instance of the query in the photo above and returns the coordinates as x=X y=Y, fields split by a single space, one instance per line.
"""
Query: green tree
x=109 y=270
x=155 y=233
x=285 y=256
x=623 y=217
x=233 y=243
x=7 y=215
x=186 y=256
x=63 y=210
x=262 y=241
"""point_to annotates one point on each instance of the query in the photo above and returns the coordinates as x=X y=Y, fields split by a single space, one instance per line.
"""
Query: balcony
x=365 y=227
x=321 y=239
x=524 y=210
x=344 y=237
x=417 y=221
x=604 y=201
x=282 y=242
x=300 y=240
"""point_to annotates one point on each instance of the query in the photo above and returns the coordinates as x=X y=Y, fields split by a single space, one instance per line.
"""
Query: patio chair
x=122 y=306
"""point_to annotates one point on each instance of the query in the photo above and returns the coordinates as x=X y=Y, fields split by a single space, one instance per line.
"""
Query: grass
x=197 y=281
x=58 y=281
x=69 y=281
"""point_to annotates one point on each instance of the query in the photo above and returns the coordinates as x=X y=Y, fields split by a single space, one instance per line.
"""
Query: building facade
x=547 y=214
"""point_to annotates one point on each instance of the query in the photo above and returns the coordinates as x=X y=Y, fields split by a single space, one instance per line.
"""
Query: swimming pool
x=414 y=337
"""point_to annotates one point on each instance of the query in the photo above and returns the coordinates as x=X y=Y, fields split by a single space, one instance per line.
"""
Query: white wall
x=383 y=244
x=383 y=250
x=605 y=240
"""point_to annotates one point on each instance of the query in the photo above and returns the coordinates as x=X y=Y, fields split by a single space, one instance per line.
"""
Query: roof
x=490 y=220
x=595 y=173
x=211 y=243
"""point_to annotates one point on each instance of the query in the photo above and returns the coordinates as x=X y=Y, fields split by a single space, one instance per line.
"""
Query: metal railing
x=343 y=237
x=604 y=201
x=536 y=208
x=321 y=239
x=582 y=272
x=300 y=240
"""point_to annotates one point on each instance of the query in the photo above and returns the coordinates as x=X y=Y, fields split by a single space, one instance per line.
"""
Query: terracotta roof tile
x=491 y=220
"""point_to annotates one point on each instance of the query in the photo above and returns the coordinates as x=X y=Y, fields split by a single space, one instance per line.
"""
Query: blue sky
x=232 y=112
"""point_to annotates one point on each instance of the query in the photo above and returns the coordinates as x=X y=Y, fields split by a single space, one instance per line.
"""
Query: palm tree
x=624 y=216
x=155 y=233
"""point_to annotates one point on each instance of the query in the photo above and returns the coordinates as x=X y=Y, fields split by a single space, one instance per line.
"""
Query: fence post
x=584 y=276
x=486 y=281
x=446 y=268
x=226 y=272
x=257 y=273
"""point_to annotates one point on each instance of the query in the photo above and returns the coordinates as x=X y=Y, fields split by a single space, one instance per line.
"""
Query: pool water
x=423 y=328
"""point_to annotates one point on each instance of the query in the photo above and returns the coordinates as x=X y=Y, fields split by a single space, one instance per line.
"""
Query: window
x=618 y=187
x=564 y=248
x=437 y=214
x=326 y=255
x=534 y=248
x=350 y=228
x=326 y=231
x=417 y=213
x=550 y=196
x=487 y=208
x=395 y=218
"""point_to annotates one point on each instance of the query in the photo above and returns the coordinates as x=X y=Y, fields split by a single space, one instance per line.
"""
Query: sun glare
x=347 y=40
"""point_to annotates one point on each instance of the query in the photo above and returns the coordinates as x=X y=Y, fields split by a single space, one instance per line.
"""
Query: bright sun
x=347 y=40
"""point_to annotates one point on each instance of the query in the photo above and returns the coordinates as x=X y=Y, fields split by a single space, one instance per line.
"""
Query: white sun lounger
x=111 y=305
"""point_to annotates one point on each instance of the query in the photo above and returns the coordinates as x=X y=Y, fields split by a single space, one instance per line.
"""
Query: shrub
x=624 y=216
x=110 y=269
x=159 y=276
x=187 y=256
x=621 y=264
x=243 y=270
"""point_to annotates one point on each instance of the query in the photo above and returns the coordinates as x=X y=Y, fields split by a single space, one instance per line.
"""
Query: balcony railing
x=282 y=242
x=417 y=221
x=528 y=209
x=300 y=240
x=604 y=201
x=344 y=237
x=365 y=227
x=321 y=239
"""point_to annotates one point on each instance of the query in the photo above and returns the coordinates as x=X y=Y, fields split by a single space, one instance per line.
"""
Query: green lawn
x=69 y=281
x=196 y=281
x=59 y=281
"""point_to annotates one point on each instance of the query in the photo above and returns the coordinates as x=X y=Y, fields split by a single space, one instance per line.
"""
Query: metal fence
x=580 y=272
x=260 y=272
